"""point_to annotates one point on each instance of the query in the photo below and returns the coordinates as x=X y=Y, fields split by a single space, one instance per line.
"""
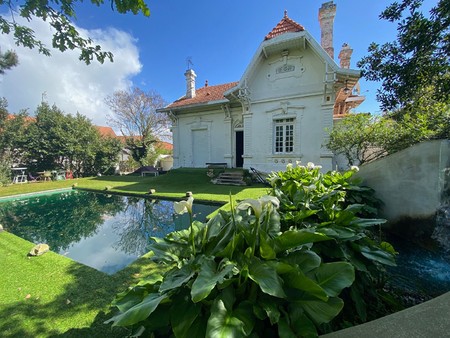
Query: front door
x=239 y=148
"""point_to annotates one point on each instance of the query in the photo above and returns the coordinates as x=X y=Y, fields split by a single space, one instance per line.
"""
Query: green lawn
x=53 y=296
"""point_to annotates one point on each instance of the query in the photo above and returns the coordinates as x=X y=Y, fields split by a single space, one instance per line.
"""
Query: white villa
x=278 y=112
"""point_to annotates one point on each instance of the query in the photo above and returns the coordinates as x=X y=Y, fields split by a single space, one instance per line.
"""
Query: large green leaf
x=222 y=323
x=208 y=277
x=296 y=279
x=378 y=255
x=140 y=311
x=168 y=251
x=266 y=277
x=300 y=323
x=265 y=246
x=295 y=238
x=322 y=312
x=219 y=236
x=284 y=330
x=333 y=277
x=183 y=314
x=134 y=295
x=176 y=277
x=306 y=260
x=270 y=306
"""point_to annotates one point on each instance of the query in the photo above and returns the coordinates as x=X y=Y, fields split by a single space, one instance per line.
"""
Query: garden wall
x=413 y=184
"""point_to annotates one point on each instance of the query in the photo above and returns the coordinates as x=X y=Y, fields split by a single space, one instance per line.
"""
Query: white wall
x=412 y=182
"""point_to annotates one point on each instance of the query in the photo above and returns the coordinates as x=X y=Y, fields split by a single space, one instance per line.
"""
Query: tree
x=56 y=140
x=8 y=60
x=362 y=138
x=59 y=14
x=418 y=61
x=135 y=115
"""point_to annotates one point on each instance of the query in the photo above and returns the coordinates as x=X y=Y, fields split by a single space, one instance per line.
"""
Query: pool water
x=106 y=232
x=420 y=270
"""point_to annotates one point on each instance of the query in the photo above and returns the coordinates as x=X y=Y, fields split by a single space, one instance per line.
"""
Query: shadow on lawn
x=90 y=292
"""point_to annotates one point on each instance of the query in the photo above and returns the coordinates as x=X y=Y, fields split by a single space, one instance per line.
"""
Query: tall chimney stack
x=190 y=83
x=326 y=19
x=345 y=55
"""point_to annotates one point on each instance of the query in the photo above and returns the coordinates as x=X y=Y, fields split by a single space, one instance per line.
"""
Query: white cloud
x=63 y=80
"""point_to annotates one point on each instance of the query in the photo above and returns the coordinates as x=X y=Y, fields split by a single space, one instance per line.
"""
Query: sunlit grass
x=52 y=295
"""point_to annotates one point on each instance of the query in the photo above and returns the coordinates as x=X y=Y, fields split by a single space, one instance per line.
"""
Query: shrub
x=333 y=204
x=5 y=170
x=235 y=276
x=256 y=271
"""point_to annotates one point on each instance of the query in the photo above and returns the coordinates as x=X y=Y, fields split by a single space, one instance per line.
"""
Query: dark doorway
x=239 y=149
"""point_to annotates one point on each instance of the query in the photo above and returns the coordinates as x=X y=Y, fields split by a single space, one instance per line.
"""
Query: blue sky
x=219 y=36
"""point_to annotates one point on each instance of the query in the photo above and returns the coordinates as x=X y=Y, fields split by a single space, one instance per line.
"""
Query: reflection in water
x=106 y=232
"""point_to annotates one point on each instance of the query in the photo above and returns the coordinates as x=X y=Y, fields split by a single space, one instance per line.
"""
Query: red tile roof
x=286 y=25
x=164 y=145
x=204 y=94
x=106 y=131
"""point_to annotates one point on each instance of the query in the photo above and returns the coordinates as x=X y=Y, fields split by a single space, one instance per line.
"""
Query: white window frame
x=284 y=136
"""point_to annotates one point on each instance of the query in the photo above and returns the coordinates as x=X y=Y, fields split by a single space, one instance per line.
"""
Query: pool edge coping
x=36 y=193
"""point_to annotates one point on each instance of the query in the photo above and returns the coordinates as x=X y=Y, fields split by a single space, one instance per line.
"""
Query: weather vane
x=189 y=62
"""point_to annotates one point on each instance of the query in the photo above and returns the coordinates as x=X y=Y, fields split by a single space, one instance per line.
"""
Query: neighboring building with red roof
x=106 y=131
x=279 y=112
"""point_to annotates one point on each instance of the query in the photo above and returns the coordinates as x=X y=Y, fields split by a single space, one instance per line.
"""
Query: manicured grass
x=175 y=184
x=52 y=295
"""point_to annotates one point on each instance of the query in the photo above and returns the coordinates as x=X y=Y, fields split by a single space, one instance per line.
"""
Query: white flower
x=259 y=204
x=354 y=168
x=317 y=167
x=289 y=166
x=298 y=163
x=184 y=206
x=269 y=199
x=310 y=165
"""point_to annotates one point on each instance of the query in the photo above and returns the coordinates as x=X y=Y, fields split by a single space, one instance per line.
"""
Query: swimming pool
x=106 y=232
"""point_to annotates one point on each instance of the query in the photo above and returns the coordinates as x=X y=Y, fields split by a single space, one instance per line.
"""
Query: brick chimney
x=345 y=55
x=326 y=19
x=190 y=83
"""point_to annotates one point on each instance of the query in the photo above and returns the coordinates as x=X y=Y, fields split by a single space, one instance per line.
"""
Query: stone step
x=230 y=178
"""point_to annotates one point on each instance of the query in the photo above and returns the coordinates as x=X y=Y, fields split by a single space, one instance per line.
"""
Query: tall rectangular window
x=284 y=136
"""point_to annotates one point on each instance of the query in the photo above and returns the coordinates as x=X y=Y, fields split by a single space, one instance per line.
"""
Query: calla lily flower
x=184 y=206
x=259 y=204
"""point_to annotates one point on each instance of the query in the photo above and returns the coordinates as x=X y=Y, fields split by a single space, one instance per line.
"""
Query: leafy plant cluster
x=337 y=206
x=362 y=138
x=258 y=270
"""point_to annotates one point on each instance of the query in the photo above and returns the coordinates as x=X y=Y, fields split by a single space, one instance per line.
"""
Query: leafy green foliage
x=54 y=140
x=7 y=61
x=237 y=275
x=334 y=205
x=59 y=14
x=417 y=61
x=362 y=138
